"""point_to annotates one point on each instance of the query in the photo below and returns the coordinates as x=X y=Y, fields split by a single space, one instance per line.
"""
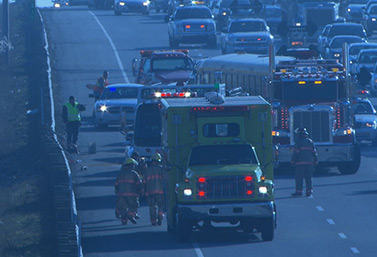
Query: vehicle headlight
x=146 y=3
x=187 y=192
x=373 y=19
x=224 y=13
x=122 y=3
x=336 y=55
x=103 y=108
x=349 y=10
x=263 y=190
x=371 y=124
x=57 y=5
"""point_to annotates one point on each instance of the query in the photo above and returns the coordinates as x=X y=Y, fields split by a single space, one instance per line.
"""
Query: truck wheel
x=268 y=229
x=348 y=168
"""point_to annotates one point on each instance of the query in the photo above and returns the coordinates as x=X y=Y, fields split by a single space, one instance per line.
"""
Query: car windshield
x=373 y=9
x=119 y=93
x=193 y=13
x=368 y=57
x=357 y=1
x=273 y=13
x=355 y=50
x=363 y=108
x=347 y=30
x=172 y=64
x=247 y=26
x=338 y=42
x=222 y=155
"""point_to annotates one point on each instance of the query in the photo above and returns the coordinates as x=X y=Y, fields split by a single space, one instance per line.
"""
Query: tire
x=184 y=228
x=268 y=229
x=117 y=13
x=349 y=168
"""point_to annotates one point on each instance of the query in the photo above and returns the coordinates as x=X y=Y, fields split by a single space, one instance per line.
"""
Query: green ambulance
x=218 y=155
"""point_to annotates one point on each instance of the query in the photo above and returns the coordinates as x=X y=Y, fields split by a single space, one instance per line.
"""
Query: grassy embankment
x=26 y=226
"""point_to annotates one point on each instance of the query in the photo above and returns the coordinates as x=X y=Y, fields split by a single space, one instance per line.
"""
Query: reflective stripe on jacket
x=73 y=113
x=128 y=183
x=153 y=180
x=304 y=153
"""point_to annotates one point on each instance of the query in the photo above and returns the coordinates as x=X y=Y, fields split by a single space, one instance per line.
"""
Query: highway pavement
x=340 y=220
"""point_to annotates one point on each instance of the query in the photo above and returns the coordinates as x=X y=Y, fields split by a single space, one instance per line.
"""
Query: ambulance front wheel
x=268 y=229
x=184 y=228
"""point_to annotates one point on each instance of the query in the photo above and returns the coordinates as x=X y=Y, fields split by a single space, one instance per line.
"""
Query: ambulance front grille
x=226 y=187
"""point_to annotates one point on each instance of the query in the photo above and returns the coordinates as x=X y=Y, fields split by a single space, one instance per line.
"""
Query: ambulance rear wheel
x=268 y=229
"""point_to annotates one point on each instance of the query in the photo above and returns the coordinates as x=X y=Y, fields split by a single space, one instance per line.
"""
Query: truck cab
x=162 y=66
x=218 y=154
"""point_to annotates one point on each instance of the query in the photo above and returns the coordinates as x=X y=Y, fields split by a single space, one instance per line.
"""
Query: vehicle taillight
x=201 y=193
x=248 y=185
x=188 y=26
x=202 y=26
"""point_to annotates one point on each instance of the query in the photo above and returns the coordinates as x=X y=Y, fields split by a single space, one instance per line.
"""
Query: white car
x=365 y=120
x=116 y=100
x=366 y=58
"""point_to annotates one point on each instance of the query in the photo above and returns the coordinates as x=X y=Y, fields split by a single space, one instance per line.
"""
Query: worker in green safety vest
x=72 y=119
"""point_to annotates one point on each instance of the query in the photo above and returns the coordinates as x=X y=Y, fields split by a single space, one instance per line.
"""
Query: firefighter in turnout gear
x=72 y=119
x=304 y=159
x=128 y=188
x=154 y=189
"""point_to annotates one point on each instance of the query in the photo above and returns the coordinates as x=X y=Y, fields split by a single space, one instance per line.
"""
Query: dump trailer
x=218 y=153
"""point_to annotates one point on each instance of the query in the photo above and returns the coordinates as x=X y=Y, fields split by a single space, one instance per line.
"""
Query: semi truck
x=218 y=154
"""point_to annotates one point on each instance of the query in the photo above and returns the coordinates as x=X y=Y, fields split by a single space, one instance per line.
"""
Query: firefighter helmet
x=157 y=157
x=130 y=161
x=301 y=131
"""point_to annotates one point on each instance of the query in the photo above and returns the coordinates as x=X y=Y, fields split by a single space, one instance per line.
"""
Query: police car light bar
x=176 y=94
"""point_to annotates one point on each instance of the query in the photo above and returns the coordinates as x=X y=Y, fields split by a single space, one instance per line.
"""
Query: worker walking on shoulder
x=154 y=189
x=304 y=159
x=128 y=188
x=100 y=85
x=72 y=119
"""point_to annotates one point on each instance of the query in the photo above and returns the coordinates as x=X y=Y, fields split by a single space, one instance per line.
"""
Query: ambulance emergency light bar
x=241 y=108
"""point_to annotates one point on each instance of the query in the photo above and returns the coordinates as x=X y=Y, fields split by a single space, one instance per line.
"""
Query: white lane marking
x=354 y=250
x=330 y=221
x=197 y=250
x=342 y=235
x=319 y=208
x=113 y=47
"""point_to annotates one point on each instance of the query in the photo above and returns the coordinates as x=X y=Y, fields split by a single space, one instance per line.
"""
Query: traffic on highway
x=219 y=127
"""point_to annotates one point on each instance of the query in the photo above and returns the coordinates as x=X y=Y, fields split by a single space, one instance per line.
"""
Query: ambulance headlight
x=103 y=108
x=187 y=192
x=157 y=94
x=263 y=190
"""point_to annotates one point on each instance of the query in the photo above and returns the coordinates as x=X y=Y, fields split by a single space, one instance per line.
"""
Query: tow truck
x=218 y=154
x=315 y=94
x=165 y=66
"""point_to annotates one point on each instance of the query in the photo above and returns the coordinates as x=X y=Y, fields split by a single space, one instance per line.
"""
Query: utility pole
x=6 y=31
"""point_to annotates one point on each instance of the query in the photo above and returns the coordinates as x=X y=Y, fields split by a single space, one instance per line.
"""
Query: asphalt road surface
x=339 y=221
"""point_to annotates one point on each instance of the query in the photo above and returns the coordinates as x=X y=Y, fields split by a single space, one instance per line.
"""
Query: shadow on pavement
x=96 y=183
x=96 y=203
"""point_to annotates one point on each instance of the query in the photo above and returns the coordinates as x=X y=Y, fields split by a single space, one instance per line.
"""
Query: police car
x=365 y=120
x=116 y=100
